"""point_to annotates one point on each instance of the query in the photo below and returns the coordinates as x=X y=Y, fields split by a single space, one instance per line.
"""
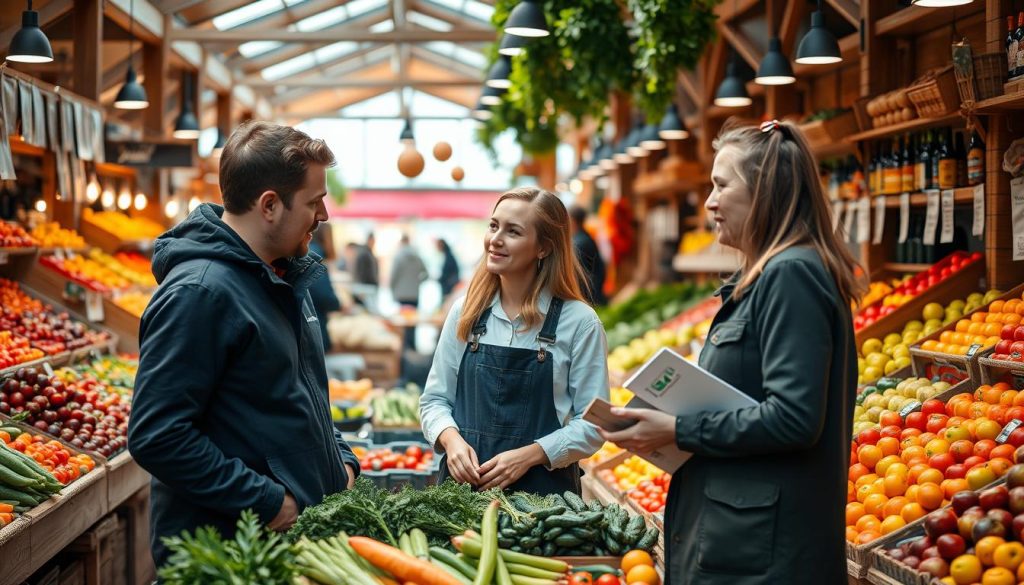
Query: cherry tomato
x=607 y=579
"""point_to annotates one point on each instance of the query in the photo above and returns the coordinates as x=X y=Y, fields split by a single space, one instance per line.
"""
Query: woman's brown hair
x=559 y=271
x=788 y=205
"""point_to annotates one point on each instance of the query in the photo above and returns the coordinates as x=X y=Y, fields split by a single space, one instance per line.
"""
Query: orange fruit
x=892 y=523
x=951 y=486
x=996 y=306
x=986 y=549
x=895 y=485
x=882 y=467
x=635 y=558
x=998 y=576
x=874 y=503
x=889 y=446
x=894 y=506
x=854 y=512
x=965 y=569
x=851 y=534
x=930 y=475
x=868 y=523
x=930 y=496
x=912 y=511
x=869 y=455
x=867 y=536
x=643 y=574
x=857 y=471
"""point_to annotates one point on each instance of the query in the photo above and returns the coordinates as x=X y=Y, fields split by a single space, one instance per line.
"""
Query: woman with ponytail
x=519 y=358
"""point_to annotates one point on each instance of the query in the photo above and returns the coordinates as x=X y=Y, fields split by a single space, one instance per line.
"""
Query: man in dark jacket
x=589 y=257
x=230 y=409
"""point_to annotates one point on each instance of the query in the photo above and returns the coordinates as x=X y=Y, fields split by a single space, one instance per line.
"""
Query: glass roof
x=309 y=60
x=418 y=18
x=459 y=53
x=472 y=8
x=251 y=12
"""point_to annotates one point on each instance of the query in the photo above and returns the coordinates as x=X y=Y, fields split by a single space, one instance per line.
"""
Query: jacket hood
x=204 y=235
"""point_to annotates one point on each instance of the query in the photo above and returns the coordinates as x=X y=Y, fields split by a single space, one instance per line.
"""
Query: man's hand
x=287 y=516
x=653 y=429
x=462 y=462
x=506 y=468
x=351 y=475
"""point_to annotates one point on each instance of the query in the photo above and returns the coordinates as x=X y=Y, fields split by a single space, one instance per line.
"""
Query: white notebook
x=671 y=384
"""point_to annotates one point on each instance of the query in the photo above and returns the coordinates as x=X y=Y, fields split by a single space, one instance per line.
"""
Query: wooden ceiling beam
x=368 y=83
x=848 y=9
x=729 y=11
x=329 y=36
x=742 y=44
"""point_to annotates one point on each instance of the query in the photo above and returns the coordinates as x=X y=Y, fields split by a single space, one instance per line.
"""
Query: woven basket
x=989 y=74
x=935 y=94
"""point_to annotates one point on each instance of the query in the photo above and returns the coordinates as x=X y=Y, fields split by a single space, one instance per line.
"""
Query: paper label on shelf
x=909 y=408
x=1017 y=205
x=946 y=236
x=851 y=210
x=3 y=257
x=48 y=369
x=93 y=306
x=59 y=254
x=931 y=217
x=863 y=220
x=1009 y=428
x=973 y=349
x=837 y=213
x=904 y=216
x=979 y=210
x=879 y=220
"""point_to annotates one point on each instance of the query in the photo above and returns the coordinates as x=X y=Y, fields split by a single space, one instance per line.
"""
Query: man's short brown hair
x=260 y=156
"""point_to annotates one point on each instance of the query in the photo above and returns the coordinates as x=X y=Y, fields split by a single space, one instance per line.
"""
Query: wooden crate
x=993 y=371
x=124 y=324
x=958 y=285
x=382 y=365
x=125 y=479
x=860 y=558
x=613 y=492
x=108 y=241
x=58 y=521
x=15 y=548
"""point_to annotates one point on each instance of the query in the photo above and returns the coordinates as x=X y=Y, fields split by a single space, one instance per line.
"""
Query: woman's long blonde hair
x=559 y=271
x=788 y=207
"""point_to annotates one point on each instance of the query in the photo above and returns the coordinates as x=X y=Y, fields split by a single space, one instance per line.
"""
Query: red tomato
x=414 y=451
x=607 y=579
x=581 y=578
x=411 y=462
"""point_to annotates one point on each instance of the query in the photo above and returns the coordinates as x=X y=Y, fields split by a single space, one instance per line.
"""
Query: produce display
x=126 y=228
x=131 y=266
x=975 y=540
x=64 y=465
x=13 y=235
x=84 y=413
x=908 y=288
x=913 y=465
x=680 y=330
x=24 y=482
x=997 y=325
x=87 y=271
x=46 y=330
x=647 y=310
x=16 y=350
x=356 y=390
x=415 y=457
x=888 y=397
x=397 y=407
x=51 y=235
x=133 y=302
x=361 y=332
x=881 y=357
x=651 y=494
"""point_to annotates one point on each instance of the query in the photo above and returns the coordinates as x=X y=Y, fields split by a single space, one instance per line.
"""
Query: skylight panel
x=382 y=106
x=323 y=19
x=335 y=50
x=257 y=48
x=358 y=8
x=247 y=13
x=469 y=57
x=384 y=26
x=289 y=67
x=479 y=10
x=427 y=21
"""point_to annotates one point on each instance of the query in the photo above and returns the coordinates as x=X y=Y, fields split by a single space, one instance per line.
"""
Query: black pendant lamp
x=186 y=126
x=491 y=96
x=775 y=68
x=512 y=45
x=482 y=112
x=132 y=95
x=650 y=139
x=633 y=147
x=819 y=46
x=732 y=92
x=407 y=137
x=30 y=44
x=497 y=77
x=672 y=126
x=527 y=20
x=218 y=146
x=606 y=158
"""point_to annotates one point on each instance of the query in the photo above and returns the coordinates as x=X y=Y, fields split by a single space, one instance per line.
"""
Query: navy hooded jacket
x=230 y=406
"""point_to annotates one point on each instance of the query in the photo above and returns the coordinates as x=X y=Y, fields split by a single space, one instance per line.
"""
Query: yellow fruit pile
x=982 y=329
x=126 y=228
x=695 y=241
x=634 y=470
x=872 y=405
x=639 y=350
x=357 y=390
x=91 y=271
x=126 y=272
x=620 y=396
x=51 y=235
x=134 y=302
x=606 y=452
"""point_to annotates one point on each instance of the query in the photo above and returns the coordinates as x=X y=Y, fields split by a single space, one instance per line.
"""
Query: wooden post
x=156 y=64
x=224 y=122
x=87 y=30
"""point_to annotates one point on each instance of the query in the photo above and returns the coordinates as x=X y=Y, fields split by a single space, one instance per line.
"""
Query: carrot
x=399 y=564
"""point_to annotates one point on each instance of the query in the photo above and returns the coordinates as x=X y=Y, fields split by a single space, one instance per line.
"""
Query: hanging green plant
x=671 y=35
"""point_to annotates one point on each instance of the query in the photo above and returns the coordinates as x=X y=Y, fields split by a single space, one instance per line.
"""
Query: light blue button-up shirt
x=580 y=368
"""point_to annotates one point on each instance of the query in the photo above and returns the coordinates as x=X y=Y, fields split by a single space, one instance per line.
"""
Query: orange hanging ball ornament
x=458 y=174
x=442 y=151
x=410 y=162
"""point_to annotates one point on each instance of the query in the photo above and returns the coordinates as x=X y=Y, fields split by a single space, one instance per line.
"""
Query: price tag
x=837 y=214
x=4 y=257
x=1017 y=215
x=946 y=235
x=979 y=210
x=879 y=220
x=1009 y=428
x=931 y=217
x=93 y=306
x=973 y=349
x=59 y=254
x=851 y=210
x=69 y=253
x=73 y=292
x=912 y=407
x=48 y=369
x=904 y=216
x=863 y=220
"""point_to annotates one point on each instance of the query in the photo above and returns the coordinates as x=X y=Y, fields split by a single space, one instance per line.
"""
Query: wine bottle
x=961 y=160
x=947 y=163
x=907 y=172
x=975 y=160
x=893 y=170
x=930 y=166
x=920 y=165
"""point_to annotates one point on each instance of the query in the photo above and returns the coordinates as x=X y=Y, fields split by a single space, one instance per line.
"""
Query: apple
x=1016 y=437
x=1015 y=475
x=1017 y=346
x=918 y=546
x=994 y=497
x=1003 y=346
x=1016 y=500
x=1000 y=515
x=939 y=522
x=1018 y=333
x=898 y=554
x=1018 y=524
x=935 y=566
x=963 y=500
x=933 y=406
x=956 y=471
x=951 y=546
x=932 y=552
x=987 y=527
x=912 y=561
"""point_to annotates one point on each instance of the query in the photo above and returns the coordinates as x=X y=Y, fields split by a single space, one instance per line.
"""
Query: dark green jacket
x=230 y=406
x=762 y=501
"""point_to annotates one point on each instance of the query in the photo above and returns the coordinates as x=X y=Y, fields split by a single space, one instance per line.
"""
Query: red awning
x=385 y=204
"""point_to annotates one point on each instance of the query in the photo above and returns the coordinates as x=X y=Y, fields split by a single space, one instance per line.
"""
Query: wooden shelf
x=919 y=124
x=961 y=196
x=1003 y=104
x=20 y=251
x=915 y=20
x=898 y=267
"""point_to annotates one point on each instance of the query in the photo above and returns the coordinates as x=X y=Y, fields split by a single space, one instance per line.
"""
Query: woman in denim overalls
x=519 y=358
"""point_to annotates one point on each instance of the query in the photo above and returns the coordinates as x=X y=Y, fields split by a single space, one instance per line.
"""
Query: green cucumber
x=568 y=540
x=440 y=554
x=634 y=529
x=528 y=571
x=542 y=513
x=575 y=502
x=566 y=521
x=597 y=571
x=648 y=540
